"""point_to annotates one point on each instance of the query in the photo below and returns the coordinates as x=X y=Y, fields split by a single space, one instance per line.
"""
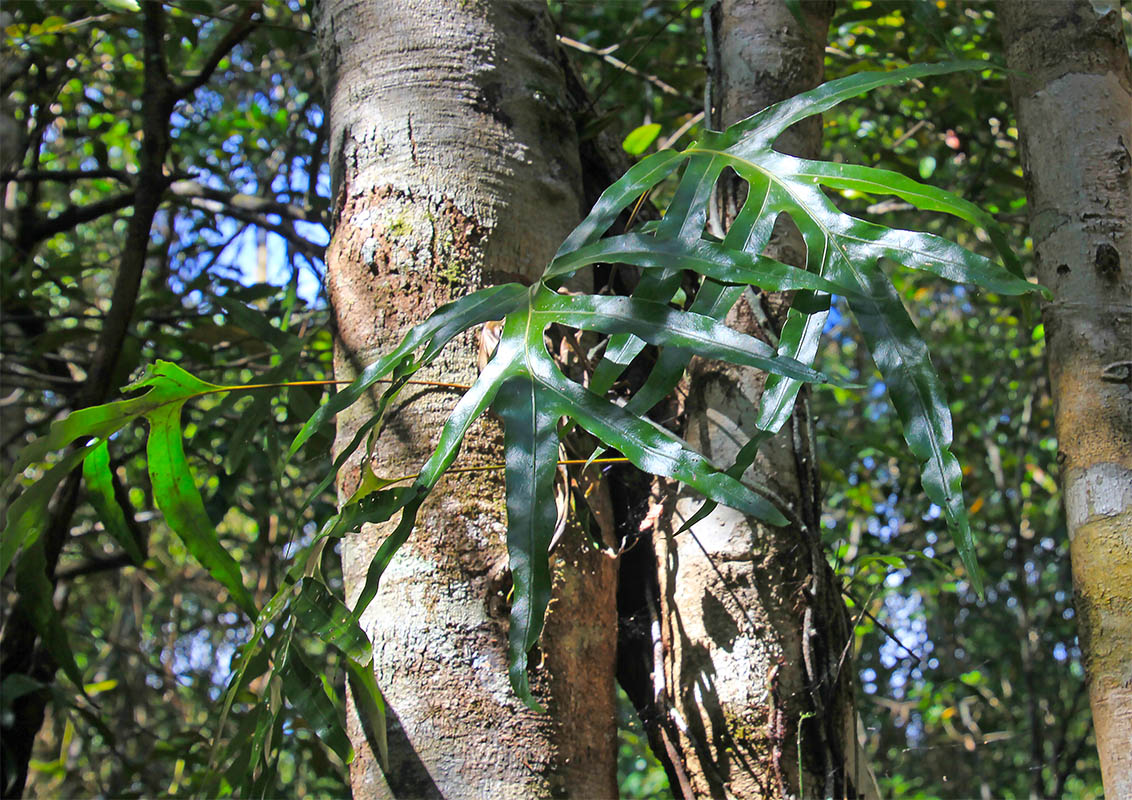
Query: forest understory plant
x=538 y=404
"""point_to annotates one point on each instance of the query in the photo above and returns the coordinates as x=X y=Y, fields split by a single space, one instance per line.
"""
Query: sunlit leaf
x=640 y=138
x=100 y=489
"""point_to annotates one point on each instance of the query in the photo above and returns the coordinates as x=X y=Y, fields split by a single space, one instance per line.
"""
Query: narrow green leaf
x=100 y=488
x=28 y=514
x=436 y=331
x=388 y=549
x=902 y=357
x=176 y=495
x=648 y=447
x=320 y=613
x=870 y=180
x=766 y=125
x=474 y=402
x=530 y=443
x=641 y=177
x=687 y=211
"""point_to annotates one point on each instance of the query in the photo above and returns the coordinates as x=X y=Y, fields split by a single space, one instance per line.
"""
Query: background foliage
x=231 y=293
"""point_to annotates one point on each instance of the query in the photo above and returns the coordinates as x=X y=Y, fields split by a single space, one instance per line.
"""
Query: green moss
x=399 y=227
x=451 y=266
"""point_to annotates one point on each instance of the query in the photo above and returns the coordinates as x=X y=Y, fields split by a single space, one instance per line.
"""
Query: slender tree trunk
x=455 y=165
x=754 y=628
x=1072 y=89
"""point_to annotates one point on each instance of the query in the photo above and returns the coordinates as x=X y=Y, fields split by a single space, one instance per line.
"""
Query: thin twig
x=687 y=126
x=605 y=55
x=63 y=175
x=884 y=628
x=239 y=31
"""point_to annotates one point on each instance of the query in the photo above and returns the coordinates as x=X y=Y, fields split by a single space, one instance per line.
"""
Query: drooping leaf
x=305 y=692
x=902 y=357
x=320 y=613
x=370 y=706
x=530 y=444
x=100 y=489
x=176 y=495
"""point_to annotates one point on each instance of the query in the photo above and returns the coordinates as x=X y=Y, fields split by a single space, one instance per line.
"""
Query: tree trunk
x=754 y=628
x=455 y=165
x=1072 y=88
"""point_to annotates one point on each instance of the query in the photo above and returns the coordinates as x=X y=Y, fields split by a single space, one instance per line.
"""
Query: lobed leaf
x=531 y=394
x=658 y=324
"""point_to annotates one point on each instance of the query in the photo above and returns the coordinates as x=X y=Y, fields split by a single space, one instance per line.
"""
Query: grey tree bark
x=455 y=165
x=753 y=625
x=1071 y=83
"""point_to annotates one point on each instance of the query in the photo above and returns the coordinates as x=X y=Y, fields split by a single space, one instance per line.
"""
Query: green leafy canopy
x=531 y=395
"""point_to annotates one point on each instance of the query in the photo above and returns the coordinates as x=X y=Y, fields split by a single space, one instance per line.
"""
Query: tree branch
x=94 y=565
x=306 y=247
x=605 y=55
x=72 y=216
x=246 y=202
x=63 y=175
x=237 y=34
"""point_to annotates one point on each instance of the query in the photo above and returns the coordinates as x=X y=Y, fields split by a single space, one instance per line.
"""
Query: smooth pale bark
x=754 y=629
x=1072 y=89
x=454 y=165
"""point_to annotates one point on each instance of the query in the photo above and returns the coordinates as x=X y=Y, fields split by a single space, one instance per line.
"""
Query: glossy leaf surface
x=531 y=394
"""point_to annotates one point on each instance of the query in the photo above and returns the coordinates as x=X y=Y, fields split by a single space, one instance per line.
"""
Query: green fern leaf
x=843 y=258
x=531 y=394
